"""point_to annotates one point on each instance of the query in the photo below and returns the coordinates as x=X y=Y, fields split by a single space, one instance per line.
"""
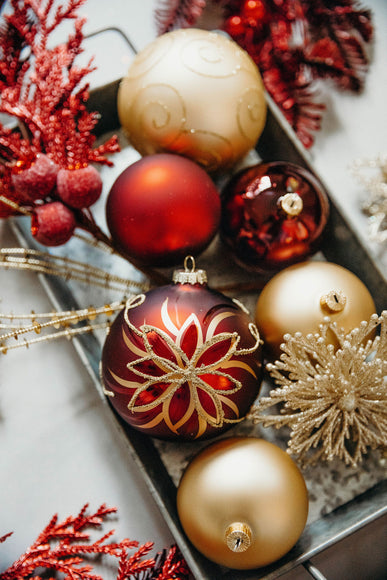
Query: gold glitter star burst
x=332 y=394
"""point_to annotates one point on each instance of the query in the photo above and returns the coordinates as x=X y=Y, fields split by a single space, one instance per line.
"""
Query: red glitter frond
x=43 y=89
x=177 y=14
x=64 y=546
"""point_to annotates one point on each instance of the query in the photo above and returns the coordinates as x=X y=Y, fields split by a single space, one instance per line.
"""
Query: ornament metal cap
x=291 y=204
x=189 y=275
x=333 y=301
x=238 y=537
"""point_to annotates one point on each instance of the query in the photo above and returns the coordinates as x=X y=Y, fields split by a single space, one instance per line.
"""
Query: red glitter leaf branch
x=43 y=90
x=62 y=546
x=45 y=157
x=339 y=50
x=178 y=13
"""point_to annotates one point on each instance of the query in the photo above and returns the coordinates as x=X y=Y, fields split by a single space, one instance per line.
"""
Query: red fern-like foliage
x=178 y=14
x=44 y=90
x=63 y=546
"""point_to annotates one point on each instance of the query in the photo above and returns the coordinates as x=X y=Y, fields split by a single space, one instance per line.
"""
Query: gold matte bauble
x=298 y=298
x=195 y=93
x=243 y=502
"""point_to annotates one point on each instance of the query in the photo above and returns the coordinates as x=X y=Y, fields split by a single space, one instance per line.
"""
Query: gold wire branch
x=68 y=333
x=13 y=205
x=58 y=320
x=46 y=263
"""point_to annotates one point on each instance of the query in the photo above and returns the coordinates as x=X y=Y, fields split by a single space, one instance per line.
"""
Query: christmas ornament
x=182 y=360
x=162 y=207
x=298 y=299
x=375 y=207
x=195 y=93
x=243 y=502
x=273 y=215
x=333 y=400
x=66 y=546
x=295 y=45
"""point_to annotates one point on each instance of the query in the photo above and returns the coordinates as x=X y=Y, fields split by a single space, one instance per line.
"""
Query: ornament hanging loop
x=189 y=260
x=190 y=275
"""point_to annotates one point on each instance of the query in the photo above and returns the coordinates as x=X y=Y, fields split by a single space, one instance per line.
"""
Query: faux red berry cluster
x=54 y=193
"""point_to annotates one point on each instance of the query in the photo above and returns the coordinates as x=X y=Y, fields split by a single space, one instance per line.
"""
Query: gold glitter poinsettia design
x=177 y=368
x=333 y=398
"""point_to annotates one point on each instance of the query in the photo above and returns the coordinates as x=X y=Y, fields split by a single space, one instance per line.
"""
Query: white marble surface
x=57 y=450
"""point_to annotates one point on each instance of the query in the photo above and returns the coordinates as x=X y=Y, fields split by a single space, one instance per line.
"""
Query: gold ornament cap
x=189 y=275
x=238 y=537
x=333 y=301
x=291 y=204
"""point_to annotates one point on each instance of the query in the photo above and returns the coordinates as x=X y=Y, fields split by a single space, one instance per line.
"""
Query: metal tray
x=161 y=463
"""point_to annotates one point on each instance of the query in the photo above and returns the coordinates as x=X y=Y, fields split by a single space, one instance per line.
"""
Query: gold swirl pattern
x=206 y=148
x=182 y=369
x=150 y=56
x=158 y=111
x=249 y=113
x=213 y=55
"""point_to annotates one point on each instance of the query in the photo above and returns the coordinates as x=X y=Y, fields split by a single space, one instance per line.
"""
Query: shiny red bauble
x=273 y=215
x=162 y=208
x=182 y=361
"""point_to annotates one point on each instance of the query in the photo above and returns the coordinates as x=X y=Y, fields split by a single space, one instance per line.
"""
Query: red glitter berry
x=52 y=224
x=79 y=188
x=35 y=181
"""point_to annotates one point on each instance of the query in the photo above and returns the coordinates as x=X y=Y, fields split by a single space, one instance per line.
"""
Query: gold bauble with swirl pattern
x=243 y=502
x=195 y=93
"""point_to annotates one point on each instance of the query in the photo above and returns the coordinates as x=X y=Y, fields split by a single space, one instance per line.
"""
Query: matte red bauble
x=273 y=215
x=162 y=208
x=182 y=360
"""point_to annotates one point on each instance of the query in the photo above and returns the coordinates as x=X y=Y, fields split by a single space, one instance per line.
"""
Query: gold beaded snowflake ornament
x=332 y=397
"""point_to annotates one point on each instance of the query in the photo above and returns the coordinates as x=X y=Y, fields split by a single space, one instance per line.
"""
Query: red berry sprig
x=48 y=160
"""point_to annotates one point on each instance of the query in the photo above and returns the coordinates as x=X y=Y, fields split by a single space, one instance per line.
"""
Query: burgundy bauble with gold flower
x=273 y=215
x=182 y=360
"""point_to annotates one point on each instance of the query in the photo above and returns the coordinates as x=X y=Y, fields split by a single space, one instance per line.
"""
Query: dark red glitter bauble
x=162 y=208
x=182 y=361
x=273 y=215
